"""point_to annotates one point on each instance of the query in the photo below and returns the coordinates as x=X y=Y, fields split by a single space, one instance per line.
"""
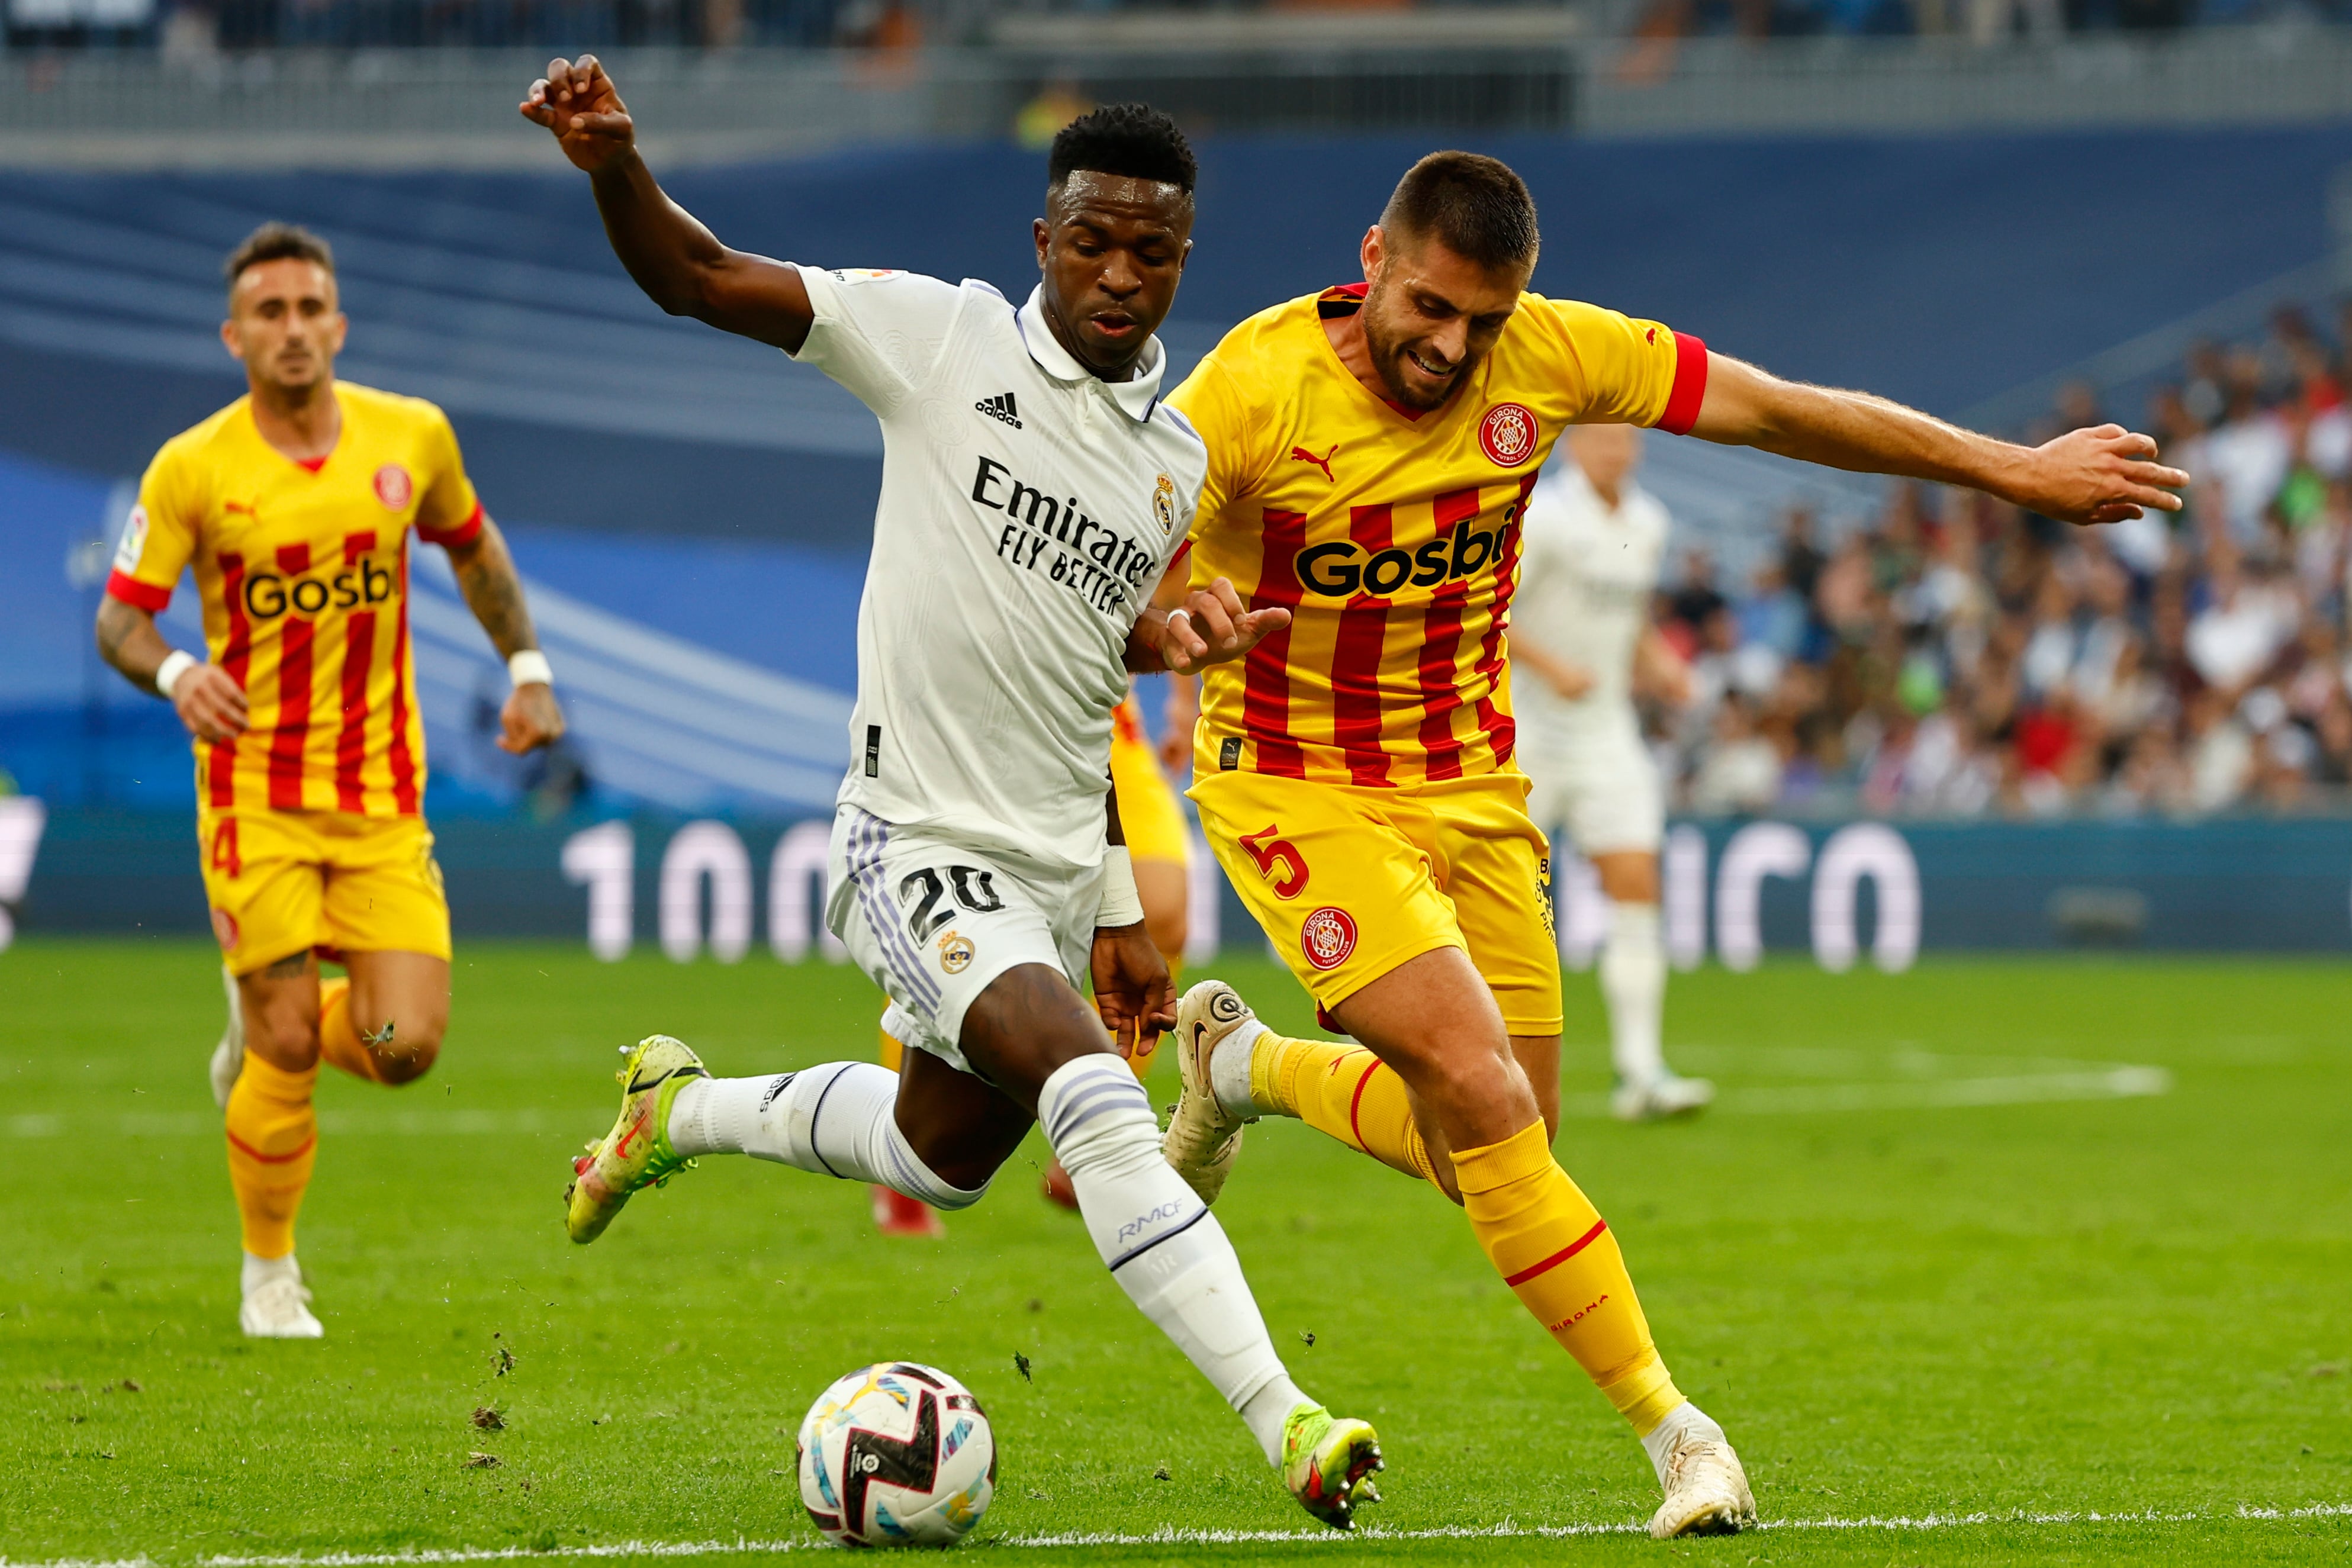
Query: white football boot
x=1707 y=1489
x=277 y=1306
x=229 y=1056
x=1661 y=1099
x=1203 y=1139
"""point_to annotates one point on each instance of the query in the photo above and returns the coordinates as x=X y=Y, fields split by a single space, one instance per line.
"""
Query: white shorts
x=1599 y=785
x=934 y=921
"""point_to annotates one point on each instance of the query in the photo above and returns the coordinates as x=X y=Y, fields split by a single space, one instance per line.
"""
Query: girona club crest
x=1508 y=433
x=1327 y=937
x=394 y=487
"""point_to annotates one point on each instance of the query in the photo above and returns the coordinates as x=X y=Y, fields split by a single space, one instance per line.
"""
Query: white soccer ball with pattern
x=897 y=1454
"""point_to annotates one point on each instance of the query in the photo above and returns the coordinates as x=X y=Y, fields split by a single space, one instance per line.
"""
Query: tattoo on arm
x=127 y=639
x=486 y=575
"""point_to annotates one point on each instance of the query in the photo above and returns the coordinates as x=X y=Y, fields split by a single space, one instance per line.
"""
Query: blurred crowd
x=246 y=24
x=1981 y=21
x=1959 y=658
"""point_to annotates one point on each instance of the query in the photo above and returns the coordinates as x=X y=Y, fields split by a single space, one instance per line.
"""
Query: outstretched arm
x=679 y=263
x=2102 y=474
x=493 y=590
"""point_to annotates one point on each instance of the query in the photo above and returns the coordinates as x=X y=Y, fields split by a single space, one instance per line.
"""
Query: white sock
x=1685 y=1420
x=1161 y=1242
x=1228 y=1071
x=259 y=1272
x=1634 y=984
x=838 y=1120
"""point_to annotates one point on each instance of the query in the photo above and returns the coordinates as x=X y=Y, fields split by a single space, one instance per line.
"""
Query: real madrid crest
x=955 y=953
x=1163 y=505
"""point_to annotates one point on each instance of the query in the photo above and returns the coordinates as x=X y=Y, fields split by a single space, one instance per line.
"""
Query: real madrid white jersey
x=1028 y=510
x=1585 y=582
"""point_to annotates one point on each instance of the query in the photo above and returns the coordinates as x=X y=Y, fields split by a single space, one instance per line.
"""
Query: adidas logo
x=1000 y=407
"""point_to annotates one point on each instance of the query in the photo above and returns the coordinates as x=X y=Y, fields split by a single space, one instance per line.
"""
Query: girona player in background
x=294 y=506
x=1370 y=452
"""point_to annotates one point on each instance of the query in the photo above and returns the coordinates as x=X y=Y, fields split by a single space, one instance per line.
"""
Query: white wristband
x=175 y=663
x=530 y=667
x=1122 y=904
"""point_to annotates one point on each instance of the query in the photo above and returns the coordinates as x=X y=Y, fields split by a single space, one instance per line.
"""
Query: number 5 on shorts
x=1269 y=852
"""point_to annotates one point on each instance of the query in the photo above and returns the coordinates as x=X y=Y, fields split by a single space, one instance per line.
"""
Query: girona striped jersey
x=1393 y=537
x=303 y=572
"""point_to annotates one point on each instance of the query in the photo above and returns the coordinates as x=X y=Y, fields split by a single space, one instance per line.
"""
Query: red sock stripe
x=1557 y=1259
x=1356 y=1102
x=251 y=1153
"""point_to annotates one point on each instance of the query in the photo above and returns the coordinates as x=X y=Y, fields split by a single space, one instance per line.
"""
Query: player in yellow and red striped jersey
x=293 y=509
x=1370 y=450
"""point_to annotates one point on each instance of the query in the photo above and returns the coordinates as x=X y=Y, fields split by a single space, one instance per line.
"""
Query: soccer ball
x=897 y=1454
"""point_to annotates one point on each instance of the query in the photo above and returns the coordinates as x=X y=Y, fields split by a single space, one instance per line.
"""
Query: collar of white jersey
x=1136 y=398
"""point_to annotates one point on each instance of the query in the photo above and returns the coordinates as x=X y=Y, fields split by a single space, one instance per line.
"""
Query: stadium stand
x=711 y=495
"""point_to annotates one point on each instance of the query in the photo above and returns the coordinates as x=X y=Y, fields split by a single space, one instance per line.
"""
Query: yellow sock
x=338 y=1039
x=273 y=1140
x=1344 y=1091
x=1552 y=1247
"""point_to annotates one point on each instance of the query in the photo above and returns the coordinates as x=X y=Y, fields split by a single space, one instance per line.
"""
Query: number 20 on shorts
x=1278 y=860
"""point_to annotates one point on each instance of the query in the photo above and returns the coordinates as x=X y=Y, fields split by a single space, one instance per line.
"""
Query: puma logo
x=1300 y=454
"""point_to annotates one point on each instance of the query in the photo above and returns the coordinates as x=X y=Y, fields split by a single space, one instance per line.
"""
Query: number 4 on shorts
x=1269 y=849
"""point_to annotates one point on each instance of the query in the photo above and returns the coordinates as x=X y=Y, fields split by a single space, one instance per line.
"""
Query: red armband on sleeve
x=465 y=533
x=1690 y=386
x=145 y=596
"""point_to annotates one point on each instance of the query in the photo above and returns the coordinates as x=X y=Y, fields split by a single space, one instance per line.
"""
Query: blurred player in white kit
x=1582 y=646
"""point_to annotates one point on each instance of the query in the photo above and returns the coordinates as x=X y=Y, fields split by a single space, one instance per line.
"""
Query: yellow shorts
x=282 y=882
x=1148 y=811
x=1350 y=882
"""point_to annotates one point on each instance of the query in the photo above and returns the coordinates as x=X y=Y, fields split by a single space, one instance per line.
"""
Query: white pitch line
x=2052 y=1079
x=1170 y=1536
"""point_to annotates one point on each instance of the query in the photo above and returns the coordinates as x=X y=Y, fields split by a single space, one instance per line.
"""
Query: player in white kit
x=1591 y=542
x=1034 y=487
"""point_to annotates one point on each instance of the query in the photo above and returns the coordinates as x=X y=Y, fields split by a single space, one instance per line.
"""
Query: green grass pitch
x=1934 y=1256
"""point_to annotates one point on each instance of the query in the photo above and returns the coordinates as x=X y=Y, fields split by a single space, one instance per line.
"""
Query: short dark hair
x=277 y=242
x=1473 y=205
x=1130 y=138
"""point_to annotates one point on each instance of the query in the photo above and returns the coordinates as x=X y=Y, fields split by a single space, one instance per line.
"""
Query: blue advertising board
x=1860 y=892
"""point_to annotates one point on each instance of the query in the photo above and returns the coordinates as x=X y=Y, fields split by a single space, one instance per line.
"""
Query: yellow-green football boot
x=636 y=1153
x=1328 y=1463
